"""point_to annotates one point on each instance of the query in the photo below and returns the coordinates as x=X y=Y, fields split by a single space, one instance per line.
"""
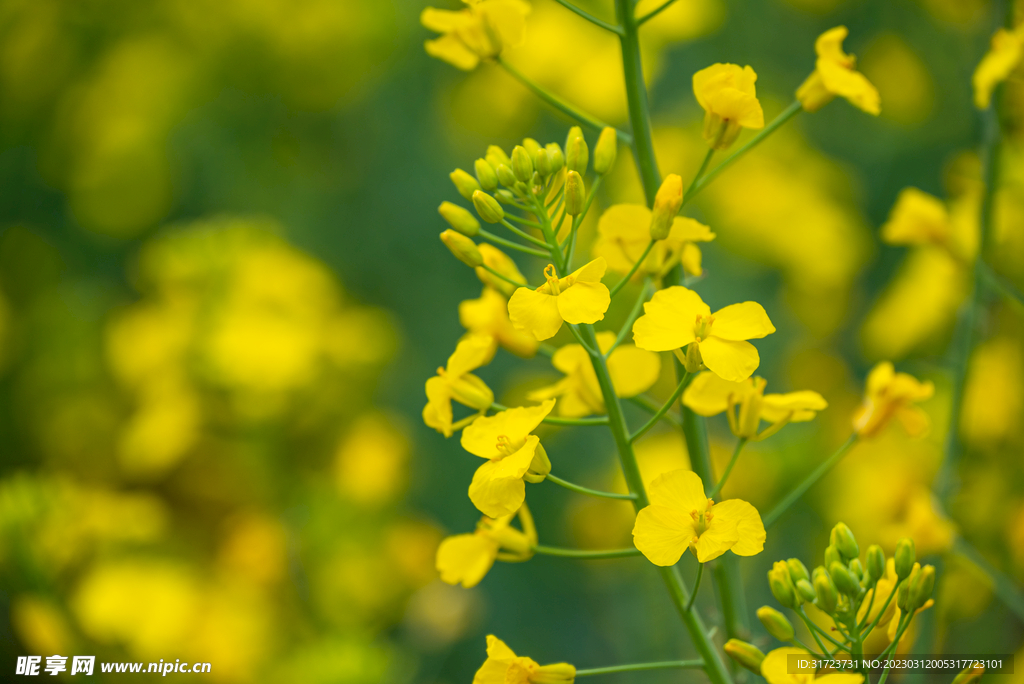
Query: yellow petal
x=481 y=437
x=998 y=63
x=669 y=319
x=497 y=496
x=708 y=394
x=914 y=420
x=840 y=678
x=662 y=534
x=569 y=358
x=679 y=489
x=739 y=107
x=744 y=321
x=590 y=273
x=750 y=534
x=444 y=21
x=438 y=411
x=720 y=536
x=775 y=667
x=466 y=558
x=470 y=353
x=916 y=218
x=494 y=669
x=685 y=229
x=691 y=259
x=584 y=302
x=534 y=312
x=497 y=649
x=852 y=85
x=508 y=18
x=450 y=49
x=798 y=406
x=633 y=370
x=733 y=361
x=880 y=377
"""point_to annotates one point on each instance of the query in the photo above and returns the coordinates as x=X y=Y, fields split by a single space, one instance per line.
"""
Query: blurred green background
x=221 y=292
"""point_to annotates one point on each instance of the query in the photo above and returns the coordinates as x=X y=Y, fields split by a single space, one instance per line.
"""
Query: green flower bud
x=875 y=563
x=667 y=202
x=577 y=155
x=532 y=146
x=845 y=582
x=904 y=557
x=845 y=542
x=605 y=150
x=521 y=188
x=542 y=162
x=464 y=183
x=746 y=655
x=903 y=593
x=464 y=249
x=574 y=132
x=487 y=207
x=496 y=156
x=505 y=175
x=782 y=586
x=832 y=555
x=536 y=180
x=797 y=570
x=522 y=163
x=575 y=194
x=921 y=589
x=856 y=569
x=459 y=218
x=805 y=590
x=825 y=589
x=557 y=158
x=485 y=174
x=776 y=623
x=505 y=196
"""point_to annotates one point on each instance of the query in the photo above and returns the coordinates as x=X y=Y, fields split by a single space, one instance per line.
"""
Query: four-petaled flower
x=623 y=233
x=503 y=666
x=999 y=62
x=579 y=297
x=488 y=315
x=457 y=382
x=727 y=94
x=466 y=558
x=775 y=668
x=676 y=317
x=512 y=453
x=681 y=517
x=891 y=395
x=834 y=74
x=480 y=31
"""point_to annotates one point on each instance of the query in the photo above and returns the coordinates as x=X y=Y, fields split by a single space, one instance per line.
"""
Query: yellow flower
x=623 y=234
x=775 y=669
x=457 y=382
x=681 y=517
x=890 y=394
x=676 y=317
x=889 y=620
x=917 y=218
x=512 y=454
x=489 y=316
x=501 y=263
x=834 y=74
x=466 y=558
x=503 y=666
x=727 y=94
x=709 y=395
x=481 y=31
x=579 y=297
x=998 y=63
x=632 y=371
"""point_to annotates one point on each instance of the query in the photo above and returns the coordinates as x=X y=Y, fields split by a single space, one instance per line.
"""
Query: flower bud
x=856 y=569
x=558 y=673
x=557 y=158
x=845 y=542
x=459 y=218
x=797 y=570
x=692 y=360
x=666 y=205
x=574 y=132
x=487 y=207
x=832 y=555
x=747 y=655
x=921 y=589
x=776 y=623
x=904 y=557
x=968 y=675
x=496 y=156
x=605 y=150
x=575 y=194
x=504 y=196
x=464 y=183
x=540 y=466
x=521 y=188
x=522 y=164
x=505 y=175
x=464 y=249
x=485 y=174
x=875 y=563
x=845 y=582
x=903 y=594
x=542 y=162
x=805 y=590
x=825 y=589
x=531 y=146
x=577 y=155
x=782 y=586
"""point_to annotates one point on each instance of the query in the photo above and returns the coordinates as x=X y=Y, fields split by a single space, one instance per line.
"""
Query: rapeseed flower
x=890 y=394
x=503 y=264
x=917 y=218
x=466 y=558
x=623 y=234
x=503 y=666
x=727 y=94
x=834 y=74
x=1002 y=58
x=488 y=315
x=676 y=317
x=681 y=516
x=746 y=404
x=579 y=297
x=480 y=31
x=775 y=669
x=632 y=371
x=512 y=453
x=455 y=381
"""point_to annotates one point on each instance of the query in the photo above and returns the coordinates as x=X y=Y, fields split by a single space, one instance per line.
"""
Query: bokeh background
x=221 y=291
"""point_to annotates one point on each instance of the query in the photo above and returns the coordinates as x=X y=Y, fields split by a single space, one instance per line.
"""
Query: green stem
x=594 y=350
x=555 y=420
x=625 y=279
x=617 y=30
x=859 y=629
x=651 y=406
x=814 y=634
x=1005 y=588
x=653 y=13
x=560 y=104
x=664 y=408
x=502 y=276
x=696 y=586
x=728 y=468
x=815 y=629
x=586 y=490
x=1000 y=284
x=525 y=222
x=512 y=245
x=818 y=473
x=893 y=646
x=636 y=99
x=874 y=623
x=627 y=325
x=664 y=665
x=584 y=555
x=700 y=172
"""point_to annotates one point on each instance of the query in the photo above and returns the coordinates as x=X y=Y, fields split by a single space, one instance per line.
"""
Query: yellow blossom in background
x=747 y=405
x=681 y=517
x=465 y=558
x=775 y=668
x=579 y=297
x=40 y=624
x=999 y=62
x=488 y=315
x=456 y=382
x=512 y=454
x=994 y=394
x=917 y=218
x=676 y=317
x=903 y=77
x=632 y=371
x=889 y=395
x=727 y=94
x=481 y=31
x=371 y=460
x=624 y=232
x=503 y=666
x=834 y=74
x=501 y=263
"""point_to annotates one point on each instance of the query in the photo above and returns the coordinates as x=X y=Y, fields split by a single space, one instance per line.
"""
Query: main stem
x=636 y=99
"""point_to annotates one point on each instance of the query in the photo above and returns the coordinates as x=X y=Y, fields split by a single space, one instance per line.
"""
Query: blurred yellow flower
x=488 y=315
x=681 y=516
x=503 y=666
x=501 y=263
x=834 y=74
x=370 y=463
x=889 y=395
x=623 y=233
x=632 y=371
x=727 y=94
x=456 y=382
x=917 y=218
x=465 y=558
x=709 y=395
x=999 y=62
x=512 y=454
x=40 y=624
x=903 y=78
x=994 y=394
x=481 y=31
x=676 y=317
x=579 y=297
x=776 y=670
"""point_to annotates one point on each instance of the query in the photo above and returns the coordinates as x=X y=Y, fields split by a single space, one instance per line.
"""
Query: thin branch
x=801 y=488
x=668 y=664
x=586 y=490
x=653 y=13
x=622 y=283
x=512 y=245
x=617 y=30
x=665 y=407
x=584 y=555
x=627 y=325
